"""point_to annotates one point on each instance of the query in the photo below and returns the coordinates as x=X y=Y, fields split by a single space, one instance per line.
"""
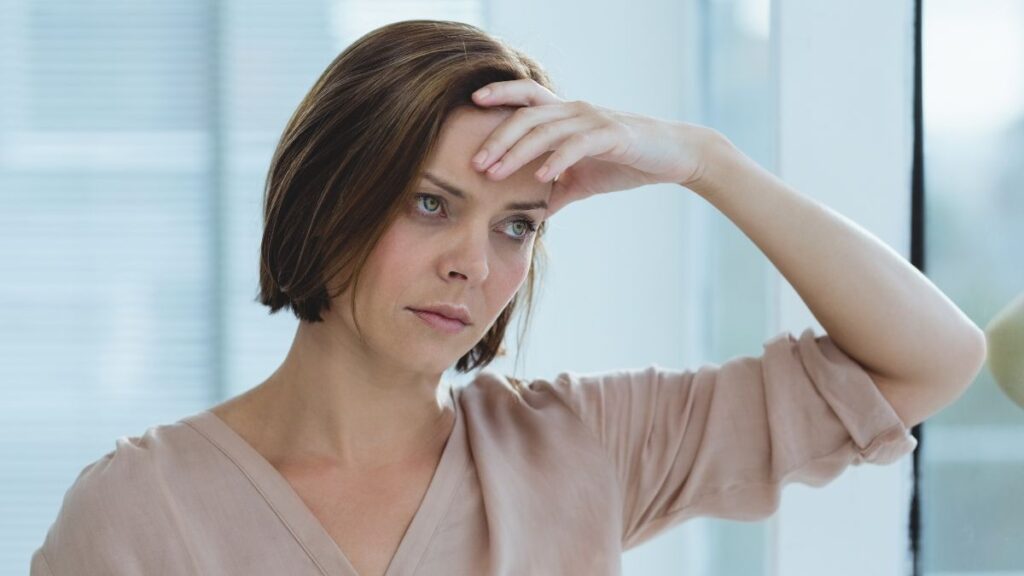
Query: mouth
x=440 y=322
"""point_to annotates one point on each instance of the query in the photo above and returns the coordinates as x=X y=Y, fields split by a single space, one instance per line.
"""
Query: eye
x=428 y=198
x=527 y=227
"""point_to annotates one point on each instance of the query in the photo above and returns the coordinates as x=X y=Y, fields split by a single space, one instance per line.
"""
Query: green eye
x=430 y=199
x=527 y=229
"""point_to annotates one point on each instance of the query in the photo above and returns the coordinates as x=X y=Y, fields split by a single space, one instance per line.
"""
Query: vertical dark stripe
x=917 y=252
x=216 y=297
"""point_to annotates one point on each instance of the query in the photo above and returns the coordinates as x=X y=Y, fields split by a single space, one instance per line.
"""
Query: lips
x=438 y=313
x=440 y=322
x=450 y=312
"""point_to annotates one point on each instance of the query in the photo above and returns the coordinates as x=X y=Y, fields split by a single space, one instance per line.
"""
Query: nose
x=466 y=257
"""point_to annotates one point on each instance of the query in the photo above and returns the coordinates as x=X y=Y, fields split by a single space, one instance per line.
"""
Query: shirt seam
x=266 y=499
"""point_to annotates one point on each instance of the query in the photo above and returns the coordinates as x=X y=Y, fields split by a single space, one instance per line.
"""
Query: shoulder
x=132 y=467
x=490 y=389
x=495 y=397
x=116 y=502
x=569 y=400
x=127 y=467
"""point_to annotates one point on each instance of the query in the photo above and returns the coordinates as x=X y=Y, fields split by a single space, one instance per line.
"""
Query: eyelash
x=530 y=224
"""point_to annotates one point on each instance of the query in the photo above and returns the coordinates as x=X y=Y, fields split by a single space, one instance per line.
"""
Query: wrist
x=715 y=152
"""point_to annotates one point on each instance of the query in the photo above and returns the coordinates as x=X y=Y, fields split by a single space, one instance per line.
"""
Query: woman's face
x=442 y=249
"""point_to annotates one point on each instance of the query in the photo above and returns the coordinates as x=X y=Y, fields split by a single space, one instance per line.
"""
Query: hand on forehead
x=462 y=135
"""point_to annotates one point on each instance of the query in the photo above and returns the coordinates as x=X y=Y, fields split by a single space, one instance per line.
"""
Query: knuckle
x=523 y=113
x=580 y=139
x=611 y=131
x=545 y=130
x=537 y=85
x=581 y=106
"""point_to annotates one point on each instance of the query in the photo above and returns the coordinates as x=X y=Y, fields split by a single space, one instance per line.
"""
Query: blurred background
x=135 y=136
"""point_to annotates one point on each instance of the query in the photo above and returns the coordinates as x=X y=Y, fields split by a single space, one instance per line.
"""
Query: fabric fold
x=722 y=440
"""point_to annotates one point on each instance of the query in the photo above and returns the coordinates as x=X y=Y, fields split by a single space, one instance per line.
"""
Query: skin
x=374 y=404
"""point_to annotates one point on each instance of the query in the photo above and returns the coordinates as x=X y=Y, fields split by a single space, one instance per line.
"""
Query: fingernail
x=482 y=93
x=542 y=173
x=480 y=157
x=494 y=169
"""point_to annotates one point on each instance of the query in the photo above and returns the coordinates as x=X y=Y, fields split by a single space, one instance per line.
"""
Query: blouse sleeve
x=722 y=441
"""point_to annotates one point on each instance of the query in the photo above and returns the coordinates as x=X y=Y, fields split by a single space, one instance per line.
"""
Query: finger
x=522 y=92
x=556 y=202
x=542 y=138
x=511 y=129
x=563 y=193
x=579 y=145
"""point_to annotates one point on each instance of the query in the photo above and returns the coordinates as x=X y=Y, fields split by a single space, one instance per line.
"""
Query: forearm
x=874 y=305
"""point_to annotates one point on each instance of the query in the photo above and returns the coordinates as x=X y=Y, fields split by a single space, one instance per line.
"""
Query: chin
x=432 y=357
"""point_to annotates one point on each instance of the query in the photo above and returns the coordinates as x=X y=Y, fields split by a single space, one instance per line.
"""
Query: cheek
x=388 y=267
x=398 y=246
x=510 y=279
x=521 y=269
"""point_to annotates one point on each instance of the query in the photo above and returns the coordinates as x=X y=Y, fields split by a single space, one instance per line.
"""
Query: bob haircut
x=353 y=151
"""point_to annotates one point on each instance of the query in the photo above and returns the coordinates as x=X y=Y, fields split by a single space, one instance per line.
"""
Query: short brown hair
x=354 y=149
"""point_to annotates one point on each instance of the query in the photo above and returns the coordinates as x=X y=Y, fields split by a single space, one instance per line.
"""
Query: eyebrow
x=451 y=189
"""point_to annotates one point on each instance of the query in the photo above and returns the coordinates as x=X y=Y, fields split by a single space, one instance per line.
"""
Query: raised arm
x=919 y=348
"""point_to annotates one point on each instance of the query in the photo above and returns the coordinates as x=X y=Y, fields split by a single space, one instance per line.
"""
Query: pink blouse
x=552 y=476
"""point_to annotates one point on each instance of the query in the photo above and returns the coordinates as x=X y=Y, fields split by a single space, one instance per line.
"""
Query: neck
x=330 y=402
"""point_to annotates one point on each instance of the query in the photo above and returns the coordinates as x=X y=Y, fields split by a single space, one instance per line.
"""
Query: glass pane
x=972 y=458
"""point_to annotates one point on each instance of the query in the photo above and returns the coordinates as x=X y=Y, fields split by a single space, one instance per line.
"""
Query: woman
x=413 y=185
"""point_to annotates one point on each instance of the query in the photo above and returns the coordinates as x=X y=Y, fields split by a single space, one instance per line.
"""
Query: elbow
x=980 y=347
x=952 y=373
x=970 y=357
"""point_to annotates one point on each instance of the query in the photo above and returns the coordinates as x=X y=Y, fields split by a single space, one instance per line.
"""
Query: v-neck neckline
x=304 y=525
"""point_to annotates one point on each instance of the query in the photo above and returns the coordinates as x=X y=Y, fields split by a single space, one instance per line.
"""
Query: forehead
x=470 y=125
x=462 y=135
